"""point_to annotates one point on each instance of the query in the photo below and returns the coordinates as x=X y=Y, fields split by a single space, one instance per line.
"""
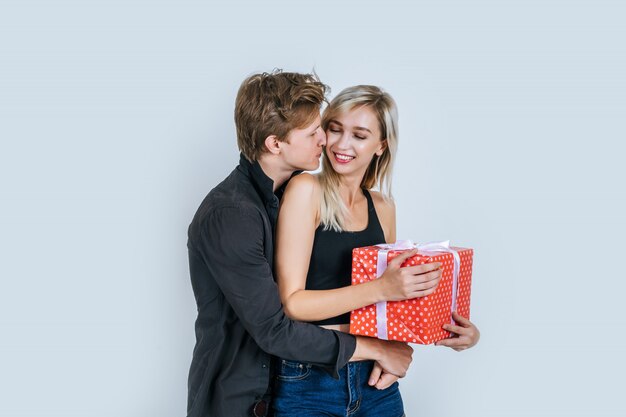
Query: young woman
x=322 y=218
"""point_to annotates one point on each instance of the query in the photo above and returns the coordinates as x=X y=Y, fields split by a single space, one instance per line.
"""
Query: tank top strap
x=370 y=202
x=373 y=224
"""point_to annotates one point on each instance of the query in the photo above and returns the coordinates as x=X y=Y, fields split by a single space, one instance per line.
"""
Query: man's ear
x=272 y=144
x=383 y=146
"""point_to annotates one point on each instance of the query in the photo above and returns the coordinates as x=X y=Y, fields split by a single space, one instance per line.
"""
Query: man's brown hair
x=274 y=104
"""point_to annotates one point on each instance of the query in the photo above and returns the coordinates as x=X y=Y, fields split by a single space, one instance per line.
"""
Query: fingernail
x=371 y=382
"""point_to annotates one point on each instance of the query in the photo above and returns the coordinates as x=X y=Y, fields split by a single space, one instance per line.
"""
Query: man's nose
x=322 y=138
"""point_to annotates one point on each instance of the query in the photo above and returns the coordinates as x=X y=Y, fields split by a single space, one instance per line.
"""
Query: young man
x=241 y=323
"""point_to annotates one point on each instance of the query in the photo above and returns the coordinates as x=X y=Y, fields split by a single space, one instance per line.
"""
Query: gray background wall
x=116 y=120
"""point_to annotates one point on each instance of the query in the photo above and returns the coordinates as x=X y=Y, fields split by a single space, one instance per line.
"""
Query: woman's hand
x=409 y=282
x=466 y=334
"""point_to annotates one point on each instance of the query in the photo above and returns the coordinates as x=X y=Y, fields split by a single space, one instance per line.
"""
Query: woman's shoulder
x=381 y=202
x=303 y=185
x=304 y=180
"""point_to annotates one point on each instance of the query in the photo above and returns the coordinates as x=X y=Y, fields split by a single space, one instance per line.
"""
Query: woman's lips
x=342 y=158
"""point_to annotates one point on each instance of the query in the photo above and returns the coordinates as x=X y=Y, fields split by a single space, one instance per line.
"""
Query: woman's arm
x=297 y=221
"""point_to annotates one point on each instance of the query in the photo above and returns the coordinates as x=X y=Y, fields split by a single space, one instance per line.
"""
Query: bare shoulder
x=301 y=199
x=383 y=205
x=304 y=185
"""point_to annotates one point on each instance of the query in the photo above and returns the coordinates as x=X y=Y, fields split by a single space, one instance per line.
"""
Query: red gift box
x=418 y=320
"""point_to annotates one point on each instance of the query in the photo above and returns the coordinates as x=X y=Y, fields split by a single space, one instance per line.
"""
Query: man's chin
x=309 y=167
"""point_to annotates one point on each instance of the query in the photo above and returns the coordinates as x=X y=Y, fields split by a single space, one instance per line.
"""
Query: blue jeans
x=303 y=390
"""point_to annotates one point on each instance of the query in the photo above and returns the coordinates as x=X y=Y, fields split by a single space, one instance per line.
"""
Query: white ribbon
x=428 y=249
x=381 y=306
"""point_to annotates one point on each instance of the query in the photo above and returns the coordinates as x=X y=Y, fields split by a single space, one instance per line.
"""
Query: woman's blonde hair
x=333 y=213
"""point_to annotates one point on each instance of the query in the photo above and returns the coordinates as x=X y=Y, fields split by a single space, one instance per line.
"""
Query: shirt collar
x=262 y=183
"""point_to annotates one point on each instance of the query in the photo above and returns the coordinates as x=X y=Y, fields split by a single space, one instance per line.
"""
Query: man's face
x=303 y=147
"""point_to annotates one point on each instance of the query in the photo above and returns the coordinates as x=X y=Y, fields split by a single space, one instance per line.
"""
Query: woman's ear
x=383 y=146
x=272 y=144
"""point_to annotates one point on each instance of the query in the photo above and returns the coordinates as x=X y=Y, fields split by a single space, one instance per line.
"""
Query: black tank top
x=331 y=258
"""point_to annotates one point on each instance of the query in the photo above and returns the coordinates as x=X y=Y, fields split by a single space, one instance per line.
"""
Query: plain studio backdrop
x=116 y=119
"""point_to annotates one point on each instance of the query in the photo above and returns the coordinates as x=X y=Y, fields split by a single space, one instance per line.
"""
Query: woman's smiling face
x=353 y=138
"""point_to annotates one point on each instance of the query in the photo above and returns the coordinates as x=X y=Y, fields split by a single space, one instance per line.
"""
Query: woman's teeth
x=343 y=158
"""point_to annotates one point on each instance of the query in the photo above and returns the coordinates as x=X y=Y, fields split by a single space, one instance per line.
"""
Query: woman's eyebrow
x=333 y=121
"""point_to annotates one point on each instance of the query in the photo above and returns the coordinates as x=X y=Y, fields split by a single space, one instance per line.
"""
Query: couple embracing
x=270 y=259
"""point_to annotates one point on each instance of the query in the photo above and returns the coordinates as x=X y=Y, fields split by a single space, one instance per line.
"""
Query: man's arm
x=231 y=244
x=393 y=357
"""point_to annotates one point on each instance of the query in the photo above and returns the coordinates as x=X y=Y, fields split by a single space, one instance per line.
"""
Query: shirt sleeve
x=231 y=243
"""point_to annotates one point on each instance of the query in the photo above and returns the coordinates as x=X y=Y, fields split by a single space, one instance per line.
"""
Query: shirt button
x=264 y=366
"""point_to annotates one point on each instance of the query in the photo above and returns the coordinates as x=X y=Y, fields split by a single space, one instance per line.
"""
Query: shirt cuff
x=347 y=346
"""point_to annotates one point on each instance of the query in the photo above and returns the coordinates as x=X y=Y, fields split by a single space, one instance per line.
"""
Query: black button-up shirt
x=240 y=317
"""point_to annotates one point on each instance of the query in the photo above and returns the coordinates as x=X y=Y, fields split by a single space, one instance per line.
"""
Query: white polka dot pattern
x=418 y=320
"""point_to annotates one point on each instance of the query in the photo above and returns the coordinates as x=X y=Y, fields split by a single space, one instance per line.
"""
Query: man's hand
x=394 y=357
x=381 y=379
x=466 y=334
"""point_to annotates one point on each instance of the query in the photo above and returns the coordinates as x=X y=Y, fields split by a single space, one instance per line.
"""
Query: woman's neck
x=350 y=191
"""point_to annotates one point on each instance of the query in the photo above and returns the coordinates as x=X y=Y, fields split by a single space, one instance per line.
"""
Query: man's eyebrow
x=316 y=127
